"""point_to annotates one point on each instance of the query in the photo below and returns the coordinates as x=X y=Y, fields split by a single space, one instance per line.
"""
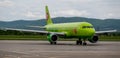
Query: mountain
x=99 y=24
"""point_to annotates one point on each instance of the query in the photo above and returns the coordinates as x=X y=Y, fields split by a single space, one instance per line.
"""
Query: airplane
x=82 y=30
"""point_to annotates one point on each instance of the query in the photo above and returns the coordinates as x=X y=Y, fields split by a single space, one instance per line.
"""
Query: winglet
x=48 y=18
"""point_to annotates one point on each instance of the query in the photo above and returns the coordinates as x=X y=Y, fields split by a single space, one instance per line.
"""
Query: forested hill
x=99 y=24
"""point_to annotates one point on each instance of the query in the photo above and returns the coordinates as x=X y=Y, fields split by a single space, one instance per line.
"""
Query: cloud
x=110 y=15
x=3 y=18
x=34 y=9
x=33 y=15
x=6 y=3
x=77 y=0
x=30 y=14
x=42 y=16
x=72 y=12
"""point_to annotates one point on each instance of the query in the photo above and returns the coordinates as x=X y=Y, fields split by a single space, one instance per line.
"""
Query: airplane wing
x=37 y=27
x=108 y=31
x=37 y=31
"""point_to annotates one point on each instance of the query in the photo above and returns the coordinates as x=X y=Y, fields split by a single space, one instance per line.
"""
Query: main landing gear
x=79 y=42
x=53 y=43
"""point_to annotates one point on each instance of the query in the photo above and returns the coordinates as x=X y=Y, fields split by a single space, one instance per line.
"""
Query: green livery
x=81 y=30
x=49 y=21
x=77 y=29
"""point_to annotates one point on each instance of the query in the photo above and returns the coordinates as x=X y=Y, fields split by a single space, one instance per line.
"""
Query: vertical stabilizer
x=48 y=18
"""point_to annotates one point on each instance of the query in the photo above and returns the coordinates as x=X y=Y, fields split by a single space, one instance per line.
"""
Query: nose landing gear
x=84 y=43
x=79 y=42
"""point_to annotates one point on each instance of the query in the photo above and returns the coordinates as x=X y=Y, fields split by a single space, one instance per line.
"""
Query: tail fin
x=48 y=18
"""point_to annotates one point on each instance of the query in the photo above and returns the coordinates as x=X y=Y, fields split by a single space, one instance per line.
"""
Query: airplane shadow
x=60 y=44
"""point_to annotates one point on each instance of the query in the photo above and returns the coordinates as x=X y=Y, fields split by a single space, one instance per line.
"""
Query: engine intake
x=52 y=37
x=94 y=39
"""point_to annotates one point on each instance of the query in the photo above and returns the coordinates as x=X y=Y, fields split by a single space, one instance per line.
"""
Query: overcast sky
x=34 y=9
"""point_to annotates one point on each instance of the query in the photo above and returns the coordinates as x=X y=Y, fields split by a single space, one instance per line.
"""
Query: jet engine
x=52 y=38
x=94 y=39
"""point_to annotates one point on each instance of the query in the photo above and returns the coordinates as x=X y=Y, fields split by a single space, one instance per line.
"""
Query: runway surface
x=64 y=49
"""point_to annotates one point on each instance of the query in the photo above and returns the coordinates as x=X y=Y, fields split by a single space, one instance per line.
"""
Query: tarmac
x=63 y=49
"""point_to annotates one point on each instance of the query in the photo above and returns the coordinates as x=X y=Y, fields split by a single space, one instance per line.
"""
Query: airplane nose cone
x=91 y=32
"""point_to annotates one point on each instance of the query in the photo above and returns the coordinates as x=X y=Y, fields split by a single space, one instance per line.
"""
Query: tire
x=53 y=43
x=77 y=42
x=80 y=42
x=85 y=43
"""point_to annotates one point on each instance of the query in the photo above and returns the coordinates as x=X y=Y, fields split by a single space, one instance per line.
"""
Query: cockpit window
x=87 y=27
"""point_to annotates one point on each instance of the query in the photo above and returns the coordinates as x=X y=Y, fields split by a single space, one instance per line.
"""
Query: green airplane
x=81 y=30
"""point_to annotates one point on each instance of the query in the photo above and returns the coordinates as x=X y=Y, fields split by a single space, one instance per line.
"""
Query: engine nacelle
x=52 y=37
x=94 y=39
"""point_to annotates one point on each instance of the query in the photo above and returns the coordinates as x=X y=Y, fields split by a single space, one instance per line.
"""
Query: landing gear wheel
x=84 y=43
x=53 y=42
x=78 y=42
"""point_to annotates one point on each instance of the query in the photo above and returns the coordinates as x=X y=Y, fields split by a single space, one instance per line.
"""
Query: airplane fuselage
x=76 y=29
